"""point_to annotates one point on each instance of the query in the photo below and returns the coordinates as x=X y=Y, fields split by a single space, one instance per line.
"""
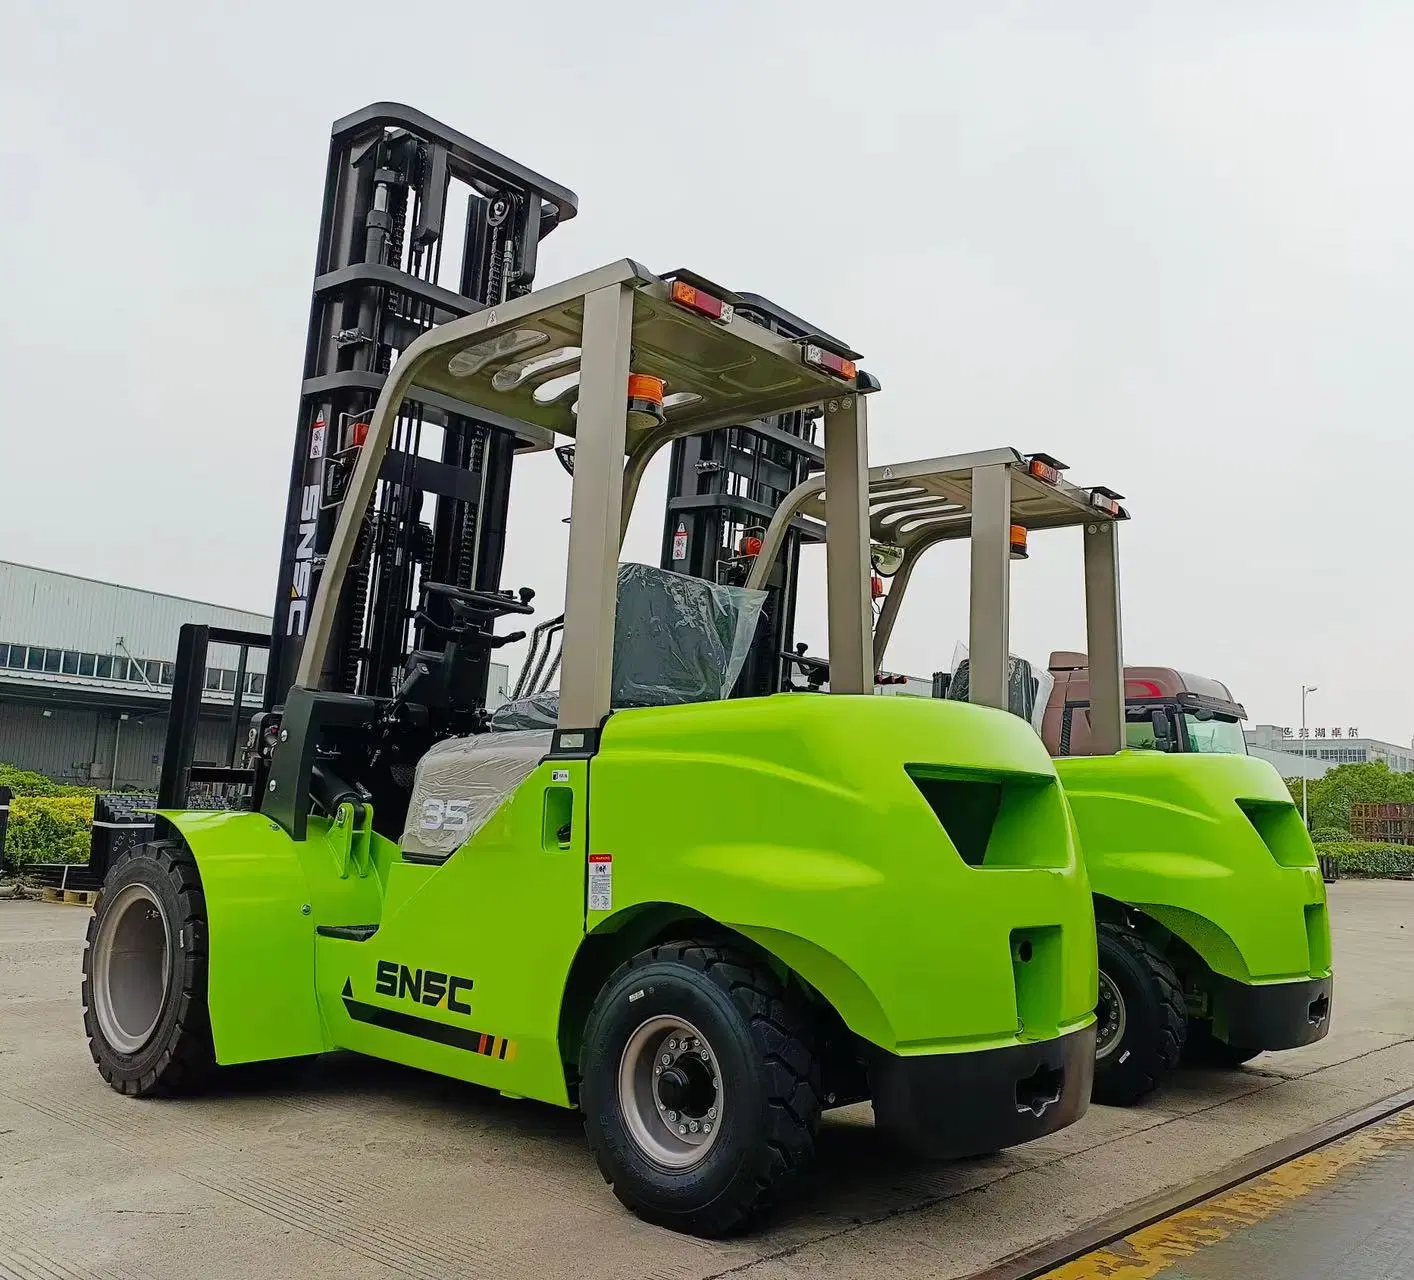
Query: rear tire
x=144 y=974
x=1142 y=1015
x=741 y=1062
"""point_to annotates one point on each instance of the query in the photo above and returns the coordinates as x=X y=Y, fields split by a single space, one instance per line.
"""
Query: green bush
x=48 y=829
x=1381 y=861
x=25 y=782
x=1325 y=835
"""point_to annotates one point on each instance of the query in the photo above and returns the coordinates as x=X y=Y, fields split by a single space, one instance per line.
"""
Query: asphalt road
x=367 y=1171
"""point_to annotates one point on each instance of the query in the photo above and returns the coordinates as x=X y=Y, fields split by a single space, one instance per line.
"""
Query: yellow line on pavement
x=1147 y=1252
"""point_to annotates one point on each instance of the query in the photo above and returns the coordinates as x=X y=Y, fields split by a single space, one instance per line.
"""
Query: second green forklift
x=1211 y=913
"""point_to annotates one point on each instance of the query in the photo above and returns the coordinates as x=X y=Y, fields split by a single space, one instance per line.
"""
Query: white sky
x=1168 y=243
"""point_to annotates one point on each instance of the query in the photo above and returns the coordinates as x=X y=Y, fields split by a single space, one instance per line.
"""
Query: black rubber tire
x=178 y=1057
x=1156 y=1018
x=763 y=1040
x=1204 y=1049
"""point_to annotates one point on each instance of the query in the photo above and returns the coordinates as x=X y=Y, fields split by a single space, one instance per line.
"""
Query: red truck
x=1164 y=710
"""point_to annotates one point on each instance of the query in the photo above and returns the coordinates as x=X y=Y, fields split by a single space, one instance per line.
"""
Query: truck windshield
x=1214 y=736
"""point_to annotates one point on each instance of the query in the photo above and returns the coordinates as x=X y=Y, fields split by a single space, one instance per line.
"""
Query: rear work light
x=694 y=299
x=1018 y=542
x=819 y=358
x=1045 y=468
x=1106 y=500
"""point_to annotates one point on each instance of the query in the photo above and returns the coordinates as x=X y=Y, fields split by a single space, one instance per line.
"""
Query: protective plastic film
x=462 y=782
x=676 y=639
x=1028 y=690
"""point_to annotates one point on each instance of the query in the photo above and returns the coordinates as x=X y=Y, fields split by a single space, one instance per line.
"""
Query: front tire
x=1142 y=1018
x=699 y=1087
x=144 y=974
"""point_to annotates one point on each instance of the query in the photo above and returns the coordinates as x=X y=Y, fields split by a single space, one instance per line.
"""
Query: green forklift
x=1210 y=908
x=673 y=911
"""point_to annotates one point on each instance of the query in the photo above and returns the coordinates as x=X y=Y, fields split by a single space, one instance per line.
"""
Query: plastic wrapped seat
x=676 y=639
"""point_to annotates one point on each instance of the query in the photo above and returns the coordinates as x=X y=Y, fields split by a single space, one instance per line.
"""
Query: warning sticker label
x=316 y=439
x=601 y=882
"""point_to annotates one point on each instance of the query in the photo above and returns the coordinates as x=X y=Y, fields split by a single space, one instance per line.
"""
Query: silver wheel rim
x=132 y=968
x=670 y=1092
x=1111 y=1017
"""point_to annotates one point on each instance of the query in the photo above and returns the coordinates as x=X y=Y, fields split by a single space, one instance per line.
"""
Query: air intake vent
x=1282 y=831
x=968 y=811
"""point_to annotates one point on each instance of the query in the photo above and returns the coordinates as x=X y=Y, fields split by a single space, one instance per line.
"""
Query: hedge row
x=48 y=829
x=25 y=782
x=1360 y=858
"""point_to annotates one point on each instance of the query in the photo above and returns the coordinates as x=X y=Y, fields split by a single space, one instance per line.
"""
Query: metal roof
x=40 y=607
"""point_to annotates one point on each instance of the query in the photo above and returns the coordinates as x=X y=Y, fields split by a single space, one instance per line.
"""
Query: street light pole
x=1305 y=815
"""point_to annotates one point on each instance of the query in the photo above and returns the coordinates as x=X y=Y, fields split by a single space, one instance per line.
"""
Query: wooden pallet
x=70 y=897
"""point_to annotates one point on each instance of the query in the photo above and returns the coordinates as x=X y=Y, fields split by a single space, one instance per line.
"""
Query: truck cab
x=1164 y=710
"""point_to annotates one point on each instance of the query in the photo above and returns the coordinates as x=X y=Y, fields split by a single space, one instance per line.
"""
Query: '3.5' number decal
x=445 y=815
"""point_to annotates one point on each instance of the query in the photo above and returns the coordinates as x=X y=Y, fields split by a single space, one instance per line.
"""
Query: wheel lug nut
x=682 y=1129
x=667 y=1058
x=711 y=1113
x=657 y=1071
x=672 y=1044
x=706 y=1126
x=706 y=1057
x=672 y=1117
x=692 y=1124
x=715 y=1085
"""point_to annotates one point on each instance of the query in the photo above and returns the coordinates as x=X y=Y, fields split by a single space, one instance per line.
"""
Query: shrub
x=1324 y=835
x=25 y=782
x=1382 y=861
x=48 y=829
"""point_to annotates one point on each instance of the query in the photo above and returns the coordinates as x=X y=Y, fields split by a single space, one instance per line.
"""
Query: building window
x=228 y=682
x=53 y=660
x=70 y=663
x=86 y=663
x=17 y=657
x=35 y=661
x=213 y=677
x=169 y=674
x=255 y=684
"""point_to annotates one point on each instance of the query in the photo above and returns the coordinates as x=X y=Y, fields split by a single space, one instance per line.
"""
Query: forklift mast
x=421 y=225
x=723 y=488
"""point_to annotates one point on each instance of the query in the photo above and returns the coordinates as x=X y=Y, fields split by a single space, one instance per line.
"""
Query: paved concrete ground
x=373 y=1172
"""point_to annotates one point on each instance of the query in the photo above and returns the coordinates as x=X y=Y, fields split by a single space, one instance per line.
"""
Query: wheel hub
x=670 y=1092
x=1110 y=1017
x=132 y=968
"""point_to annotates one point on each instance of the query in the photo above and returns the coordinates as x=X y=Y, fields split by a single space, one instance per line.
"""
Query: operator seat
x=677 y=639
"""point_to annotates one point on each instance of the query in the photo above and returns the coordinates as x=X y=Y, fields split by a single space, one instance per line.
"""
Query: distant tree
x=1329 y=798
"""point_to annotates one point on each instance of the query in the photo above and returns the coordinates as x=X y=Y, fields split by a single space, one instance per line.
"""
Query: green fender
x=264 y=895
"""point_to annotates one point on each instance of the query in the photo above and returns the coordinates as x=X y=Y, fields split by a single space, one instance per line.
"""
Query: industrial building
x=86 y=673
x=1322 y=749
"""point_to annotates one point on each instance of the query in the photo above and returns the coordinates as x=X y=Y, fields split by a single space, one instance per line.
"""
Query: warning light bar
x=829 y=362
x=1106 y=500
x=694 y=299
x=1017 y=538
x=1045 y=468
